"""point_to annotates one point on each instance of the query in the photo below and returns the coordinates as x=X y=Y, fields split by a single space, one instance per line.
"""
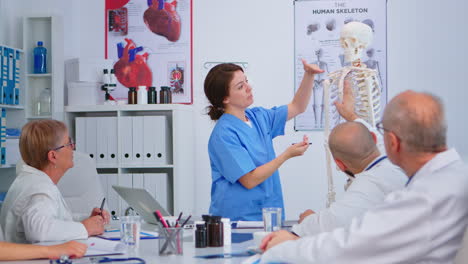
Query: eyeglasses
x=70 y=144
x=381 y=129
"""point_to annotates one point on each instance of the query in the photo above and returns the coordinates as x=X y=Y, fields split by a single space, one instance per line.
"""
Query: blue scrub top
x=235 y=149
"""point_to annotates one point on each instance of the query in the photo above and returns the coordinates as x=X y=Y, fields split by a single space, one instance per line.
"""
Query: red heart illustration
x=132 y=69
x=162 y=19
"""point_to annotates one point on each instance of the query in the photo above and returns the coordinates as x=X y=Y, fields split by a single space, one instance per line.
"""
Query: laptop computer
x=142 y=201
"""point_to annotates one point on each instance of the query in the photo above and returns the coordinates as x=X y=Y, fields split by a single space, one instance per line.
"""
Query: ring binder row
x=10 y=75
x=145 y=140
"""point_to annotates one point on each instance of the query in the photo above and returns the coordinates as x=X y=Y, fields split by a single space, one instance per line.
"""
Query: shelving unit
x=180 y=161
x=48 y=29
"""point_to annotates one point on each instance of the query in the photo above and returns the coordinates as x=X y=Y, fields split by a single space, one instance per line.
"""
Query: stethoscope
x=67 y=260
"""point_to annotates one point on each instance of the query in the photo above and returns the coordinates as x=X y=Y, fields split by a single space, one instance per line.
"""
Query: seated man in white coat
x=371 y=175
x=422 y=223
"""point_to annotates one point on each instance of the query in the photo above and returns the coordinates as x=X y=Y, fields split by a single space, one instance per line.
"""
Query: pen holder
x=171 y=241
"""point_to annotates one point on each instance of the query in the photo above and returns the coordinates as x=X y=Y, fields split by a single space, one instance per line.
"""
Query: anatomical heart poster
x=150 y=42
x=317 y=30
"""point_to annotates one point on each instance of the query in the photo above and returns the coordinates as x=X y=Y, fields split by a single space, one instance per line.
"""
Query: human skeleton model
x=355 y=37
x=318 y=89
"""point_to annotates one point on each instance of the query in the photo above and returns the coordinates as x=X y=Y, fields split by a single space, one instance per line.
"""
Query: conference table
x=148 y=250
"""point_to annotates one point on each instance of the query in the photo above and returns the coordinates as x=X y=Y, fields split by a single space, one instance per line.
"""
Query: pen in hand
x=102 y=206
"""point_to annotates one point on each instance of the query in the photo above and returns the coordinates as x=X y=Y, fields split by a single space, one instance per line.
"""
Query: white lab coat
x=35 y=211
x=422 y=223
x=368 y=190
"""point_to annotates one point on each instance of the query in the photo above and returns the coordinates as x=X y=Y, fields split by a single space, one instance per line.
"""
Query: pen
x=102 y=205
x=186 y=220
x=161 y=218
x=296 y=143
x=178 y=219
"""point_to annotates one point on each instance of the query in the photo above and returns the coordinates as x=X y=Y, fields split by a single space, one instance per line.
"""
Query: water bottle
x=40 y=58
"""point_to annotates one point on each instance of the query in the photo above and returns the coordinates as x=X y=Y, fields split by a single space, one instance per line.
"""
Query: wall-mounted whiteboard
x=317 y=27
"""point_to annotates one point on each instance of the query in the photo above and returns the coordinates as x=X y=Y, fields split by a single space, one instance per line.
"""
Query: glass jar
x=215 y=232
x=132 y=95
x=152 y=95
x=43 y=105
x=165 y=95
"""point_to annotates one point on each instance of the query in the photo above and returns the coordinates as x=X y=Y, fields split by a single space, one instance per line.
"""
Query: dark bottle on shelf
x=152 y=95
x=165 y=95
x=132 y=95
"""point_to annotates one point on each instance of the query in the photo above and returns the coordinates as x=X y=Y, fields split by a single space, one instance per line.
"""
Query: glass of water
x=130 y=231
x=271 y=218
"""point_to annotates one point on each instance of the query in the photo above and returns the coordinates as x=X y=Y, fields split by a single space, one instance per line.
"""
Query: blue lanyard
x=376 y=162
x=66 y=260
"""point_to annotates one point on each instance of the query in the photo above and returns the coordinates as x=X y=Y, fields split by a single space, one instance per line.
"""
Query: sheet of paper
x=98 y=246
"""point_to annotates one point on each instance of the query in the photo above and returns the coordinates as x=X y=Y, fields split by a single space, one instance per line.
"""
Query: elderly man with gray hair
x=422 y=223
x=371 y=175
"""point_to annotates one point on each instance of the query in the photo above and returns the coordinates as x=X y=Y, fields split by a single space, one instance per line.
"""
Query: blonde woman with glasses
x=34 y=209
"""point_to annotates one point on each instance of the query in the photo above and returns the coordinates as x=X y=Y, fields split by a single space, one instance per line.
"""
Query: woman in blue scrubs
x=244 y=165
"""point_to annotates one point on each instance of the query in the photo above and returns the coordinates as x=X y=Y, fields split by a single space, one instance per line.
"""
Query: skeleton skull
x=355 y=37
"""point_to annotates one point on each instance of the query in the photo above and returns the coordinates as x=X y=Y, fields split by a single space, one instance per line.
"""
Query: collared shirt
x=35 y=211
x=422 y=223
x=367 y=191
x=236 y=149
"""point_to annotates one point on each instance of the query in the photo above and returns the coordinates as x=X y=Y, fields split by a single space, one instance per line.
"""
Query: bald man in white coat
x=423 y=223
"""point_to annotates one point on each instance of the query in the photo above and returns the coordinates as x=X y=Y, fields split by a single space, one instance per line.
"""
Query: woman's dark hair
x=217 y=87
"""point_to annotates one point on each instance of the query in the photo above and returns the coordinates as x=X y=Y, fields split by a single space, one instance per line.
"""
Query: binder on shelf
x=149 y=136
x=125 y=180
x=126 y=155
x=101 y=140
x=11 y=73
x=137 y=138
x=17 y=77
x=111 y=125
x=91 y=137
x=157 y=185
x=4 y=75
x=1 y=75
x=3 y=136
x=137 y=180
x=80 y=134
x=112 y=198
x=162 y=140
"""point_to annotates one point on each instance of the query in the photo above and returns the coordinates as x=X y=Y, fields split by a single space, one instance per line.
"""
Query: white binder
x=162 y=140
x=157 y=185
x=125 y=180
x=80 y=134
x=149 y=137
x=111 y=125
x=90 y=137
x=101 y=140
x=126 y=154
x=137 y=137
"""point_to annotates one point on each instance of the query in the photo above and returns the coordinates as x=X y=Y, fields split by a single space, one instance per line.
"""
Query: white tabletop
x=148 y=250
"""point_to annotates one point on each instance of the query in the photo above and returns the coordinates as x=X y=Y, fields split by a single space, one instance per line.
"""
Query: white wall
x=261 y=33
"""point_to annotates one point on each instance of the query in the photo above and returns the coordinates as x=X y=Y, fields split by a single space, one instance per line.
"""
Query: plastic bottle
x=40 y=58
x=132 y=95
x=200 y=236
x=112 y=81
x=152 y=95
x=142 y=95
x=44 y=102
x=105 y=79
x=215 y=232
x=226 y=231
